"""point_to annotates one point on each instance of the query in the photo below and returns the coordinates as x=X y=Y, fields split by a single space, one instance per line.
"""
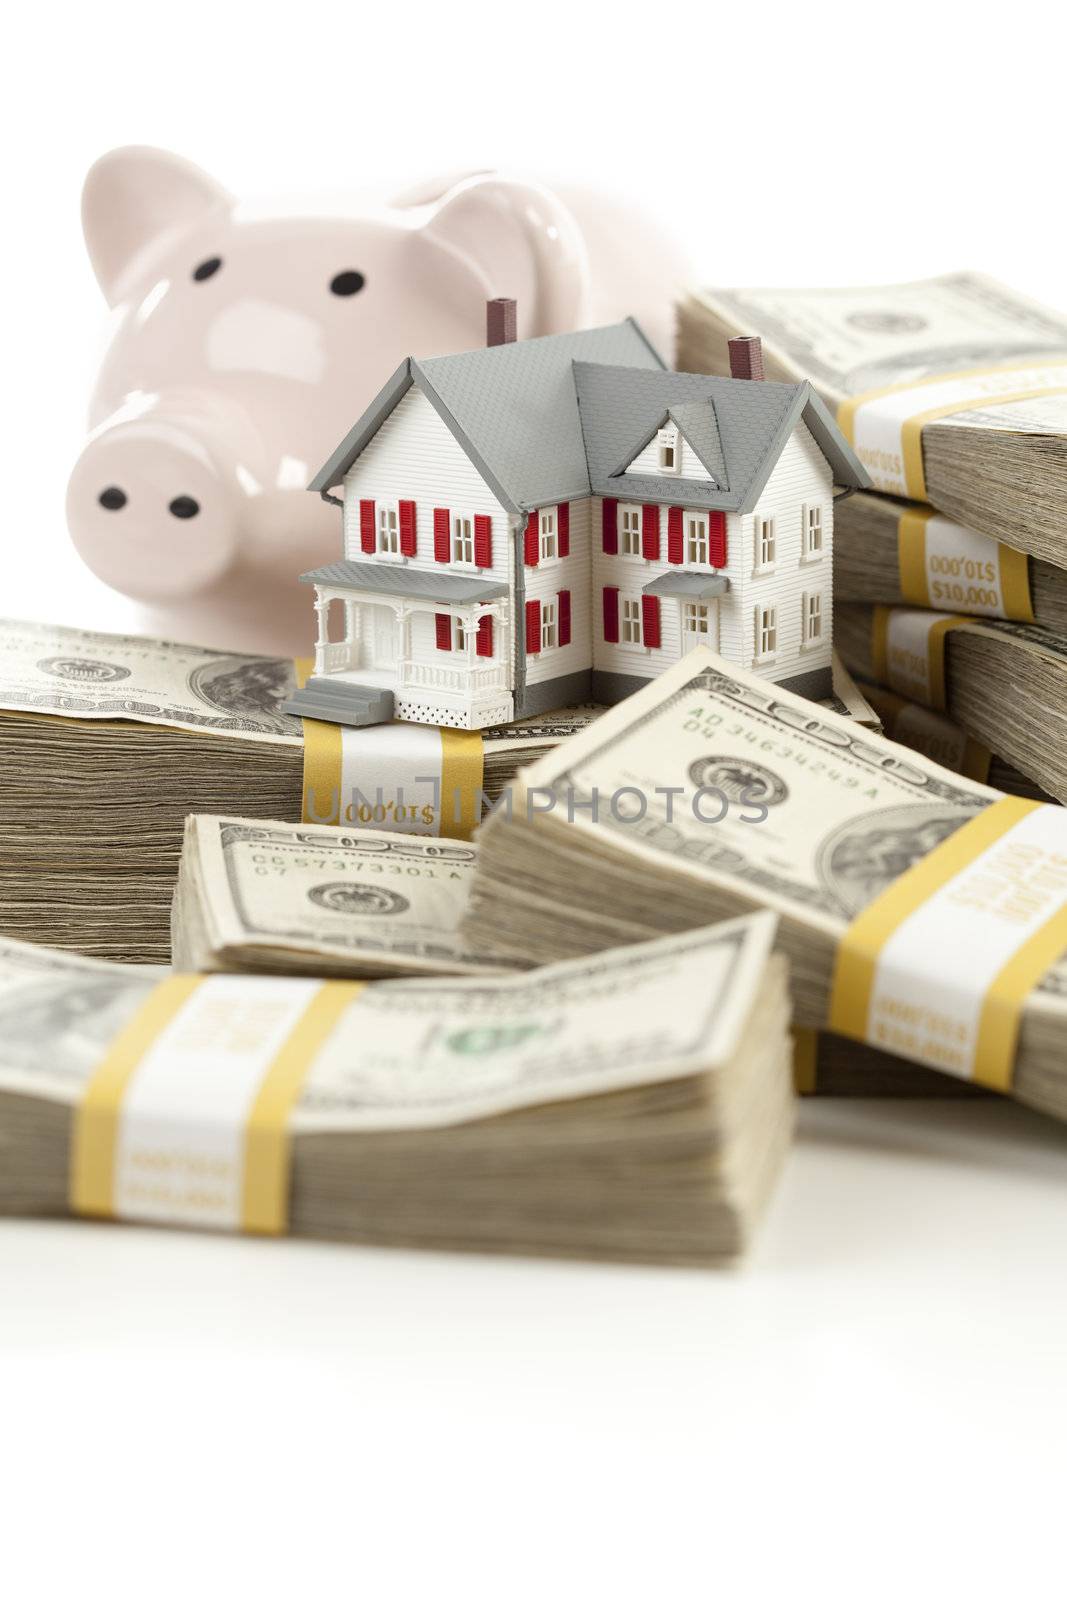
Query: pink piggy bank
x=247 y=344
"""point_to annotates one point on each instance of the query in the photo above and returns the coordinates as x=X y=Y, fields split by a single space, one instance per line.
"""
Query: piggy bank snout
x=152 y=511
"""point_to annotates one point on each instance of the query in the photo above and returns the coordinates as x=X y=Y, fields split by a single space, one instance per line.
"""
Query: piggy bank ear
x=521 y=241
x=133 y=199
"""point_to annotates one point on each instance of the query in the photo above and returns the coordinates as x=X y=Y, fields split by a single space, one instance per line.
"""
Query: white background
x=875 y=1405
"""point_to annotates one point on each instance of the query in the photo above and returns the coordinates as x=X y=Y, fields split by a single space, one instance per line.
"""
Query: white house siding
x=631 y=573
x=544 y=582
x=690 y=465
x=802 y=476
x=413 y=456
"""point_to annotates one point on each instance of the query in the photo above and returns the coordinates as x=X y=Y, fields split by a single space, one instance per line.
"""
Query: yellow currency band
x=268 y=1144
x=935 y=652
x=912 y=428
x=805 y=1060
x=866 y=937
x=462 y=768
x=266 y=1173
x=462 y=772
x=96 y=1122
x=914 y=578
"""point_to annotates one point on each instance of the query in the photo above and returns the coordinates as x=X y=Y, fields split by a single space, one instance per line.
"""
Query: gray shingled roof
x=558 y=418
x=751 y=420
x=512 y=407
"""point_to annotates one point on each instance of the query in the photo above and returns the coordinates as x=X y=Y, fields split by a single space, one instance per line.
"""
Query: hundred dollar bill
x=994 y=463
x=636 y=1104
x=285 y=897
x=712 y=792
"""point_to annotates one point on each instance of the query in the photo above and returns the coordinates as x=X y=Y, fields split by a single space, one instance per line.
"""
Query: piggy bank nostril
x=184 y=506
x=112 y=498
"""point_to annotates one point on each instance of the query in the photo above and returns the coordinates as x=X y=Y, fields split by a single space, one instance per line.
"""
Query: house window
x=388 y=531
x=631 y=622
x=766 y=632
x=459 y=634
x=669 y=453
x=549 y=535
x=766 y=543
x=812 y=619
x=549 y=625
x=696 y=541
x=630 y=522
x=463 y=540
x=696 y=618
x=812 y=531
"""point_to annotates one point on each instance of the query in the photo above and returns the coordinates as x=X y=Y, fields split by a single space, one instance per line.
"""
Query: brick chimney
x=500 y=321
x=746 y=357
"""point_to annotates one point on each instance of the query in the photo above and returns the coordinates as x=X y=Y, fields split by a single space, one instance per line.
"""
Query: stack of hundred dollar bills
x=980 y=373
x=108 y=743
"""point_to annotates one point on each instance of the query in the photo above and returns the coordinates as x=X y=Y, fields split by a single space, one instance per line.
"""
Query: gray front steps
x=357 y=705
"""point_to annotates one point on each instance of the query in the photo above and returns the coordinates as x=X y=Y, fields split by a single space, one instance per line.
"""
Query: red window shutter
x=443 y=624
x=533 y=627
x=367 y=539
x=650 y=532
x=611 y=615
x=483 y=541
x=650 y=620
x=442 y=534
x=609 y=527
x=563 y=524
x=717 y=538
x=407 y=528
x=483 y=644
x=675 y=542
x=533 y=538
x=564 y=599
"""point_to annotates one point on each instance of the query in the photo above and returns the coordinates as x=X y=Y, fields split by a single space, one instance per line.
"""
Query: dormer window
x=669 y=452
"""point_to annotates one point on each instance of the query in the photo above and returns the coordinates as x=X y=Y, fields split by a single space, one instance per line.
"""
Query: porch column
x=322 y=607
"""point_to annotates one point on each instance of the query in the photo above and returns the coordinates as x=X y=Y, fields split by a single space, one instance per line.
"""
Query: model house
x=556 y=520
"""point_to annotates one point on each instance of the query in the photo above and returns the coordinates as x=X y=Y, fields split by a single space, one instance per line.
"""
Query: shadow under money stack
x=636 y=1106
x=107 y=743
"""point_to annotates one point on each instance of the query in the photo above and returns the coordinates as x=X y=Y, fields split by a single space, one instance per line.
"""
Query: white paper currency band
x=885 y=425
x=953 y=568
x=908 y=652
x=403 y=776
x=938 y=968
x=185 y=1120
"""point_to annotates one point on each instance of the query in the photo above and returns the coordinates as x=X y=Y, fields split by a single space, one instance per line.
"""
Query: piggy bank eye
x=347 y=283
x=207 y=269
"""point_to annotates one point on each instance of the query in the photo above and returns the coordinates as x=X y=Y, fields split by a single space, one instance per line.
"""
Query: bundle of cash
x=633 y=1106
x=713 y=792
x=1005 y=685
x=936 y=736
x=283 y=897
x=989 y=447
x=107 y=743
x=868 y=568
